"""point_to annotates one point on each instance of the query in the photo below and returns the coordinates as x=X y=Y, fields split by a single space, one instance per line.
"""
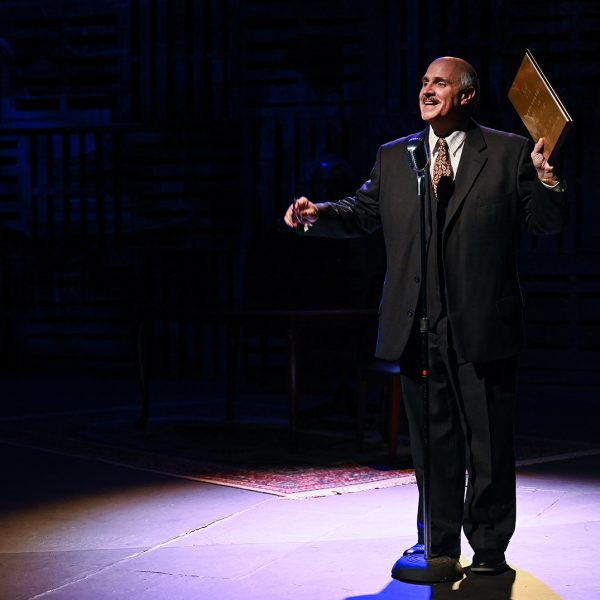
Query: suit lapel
x=472 y=160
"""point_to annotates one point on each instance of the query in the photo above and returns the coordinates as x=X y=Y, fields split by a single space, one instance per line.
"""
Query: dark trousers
x=471 y=429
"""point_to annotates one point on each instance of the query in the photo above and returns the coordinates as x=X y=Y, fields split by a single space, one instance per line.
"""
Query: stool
x=377 y=367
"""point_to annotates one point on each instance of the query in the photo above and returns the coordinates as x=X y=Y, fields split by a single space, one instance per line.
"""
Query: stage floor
x=74 y=529
x=78 y=529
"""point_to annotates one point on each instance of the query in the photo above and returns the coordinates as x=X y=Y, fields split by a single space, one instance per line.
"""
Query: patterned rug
x=249 y=455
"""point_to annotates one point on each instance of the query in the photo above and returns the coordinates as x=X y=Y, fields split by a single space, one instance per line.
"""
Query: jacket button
x=410 y=313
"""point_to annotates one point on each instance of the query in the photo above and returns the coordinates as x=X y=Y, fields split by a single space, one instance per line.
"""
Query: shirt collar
x=455 y=141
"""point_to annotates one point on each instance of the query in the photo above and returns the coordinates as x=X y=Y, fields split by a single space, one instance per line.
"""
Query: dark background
x=149 y=148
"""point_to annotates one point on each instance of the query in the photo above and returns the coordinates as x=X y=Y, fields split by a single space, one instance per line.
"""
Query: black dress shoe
x=488 y=562
x=416 y=549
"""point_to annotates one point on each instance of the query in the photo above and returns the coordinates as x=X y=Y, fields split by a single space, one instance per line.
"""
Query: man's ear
x=466 y=96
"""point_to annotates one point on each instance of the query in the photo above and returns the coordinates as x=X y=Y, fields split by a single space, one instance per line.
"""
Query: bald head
x=459 y=63
x=449 y=94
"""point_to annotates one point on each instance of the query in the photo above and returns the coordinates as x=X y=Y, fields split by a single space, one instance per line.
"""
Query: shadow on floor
x=472 y=587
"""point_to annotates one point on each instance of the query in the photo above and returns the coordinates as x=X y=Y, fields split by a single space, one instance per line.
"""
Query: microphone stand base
x=415 y=568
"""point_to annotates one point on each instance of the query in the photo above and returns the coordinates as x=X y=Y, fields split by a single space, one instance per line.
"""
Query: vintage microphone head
x=417 y=154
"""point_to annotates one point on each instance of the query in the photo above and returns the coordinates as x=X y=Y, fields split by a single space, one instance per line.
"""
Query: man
x=482 y=184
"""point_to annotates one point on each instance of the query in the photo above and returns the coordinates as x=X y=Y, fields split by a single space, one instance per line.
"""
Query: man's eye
x=441 y=84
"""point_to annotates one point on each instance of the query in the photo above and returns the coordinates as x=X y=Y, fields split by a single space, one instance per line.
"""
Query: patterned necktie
x=442 y=172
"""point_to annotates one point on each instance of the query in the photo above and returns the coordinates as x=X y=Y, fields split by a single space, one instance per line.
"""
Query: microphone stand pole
x=425 y=568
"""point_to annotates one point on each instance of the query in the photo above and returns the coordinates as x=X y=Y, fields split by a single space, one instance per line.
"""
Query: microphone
x=417 y=154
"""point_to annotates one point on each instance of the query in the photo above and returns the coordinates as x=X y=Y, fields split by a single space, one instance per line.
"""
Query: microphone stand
x=425 y=568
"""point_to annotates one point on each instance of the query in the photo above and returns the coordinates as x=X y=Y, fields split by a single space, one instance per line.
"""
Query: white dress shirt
x=455 y=141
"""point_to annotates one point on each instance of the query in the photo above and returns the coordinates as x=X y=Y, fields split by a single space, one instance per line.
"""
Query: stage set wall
x=149 y=148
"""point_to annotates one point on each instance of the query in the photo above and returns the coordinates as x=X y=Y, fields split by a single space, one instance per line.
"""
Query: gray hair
x=469 y=79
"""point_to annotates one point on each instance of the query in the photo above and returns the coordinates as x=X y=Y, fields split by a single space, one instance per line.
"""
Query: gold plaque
x=539 y=107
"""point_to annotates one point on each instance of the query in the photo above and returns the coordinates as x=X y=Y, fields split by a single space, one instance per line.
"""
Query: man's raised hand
x=301 y=212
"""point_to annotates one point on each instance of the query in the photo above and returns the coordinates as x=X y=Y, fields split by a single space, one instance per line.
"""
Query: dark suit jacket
x=496 y=189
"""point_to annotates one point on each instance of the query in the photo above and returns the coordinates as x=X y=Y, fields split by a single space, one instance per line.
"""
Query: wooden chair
x=389 y=371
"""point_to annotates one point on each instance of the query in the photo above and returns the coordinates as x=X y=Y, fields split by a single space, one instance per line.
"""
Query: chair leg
x=395 y=399
x=142 y=375
x=231 y=368
x=361 y=402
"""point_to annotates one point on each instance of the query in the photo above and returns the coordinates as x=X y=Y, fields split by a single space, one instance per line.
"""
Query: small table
x=235 y=320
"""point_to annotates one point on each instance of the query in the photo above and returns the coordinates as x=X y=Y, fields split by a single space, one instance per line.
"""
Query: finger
x=308 y=213
x=290 y=218
x=539 y=147
x=293 y=210
x=303 y=209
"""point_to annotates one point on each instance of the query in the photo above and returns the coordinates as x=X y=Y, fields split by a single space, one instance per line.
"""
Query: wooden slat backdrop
x=144 y=138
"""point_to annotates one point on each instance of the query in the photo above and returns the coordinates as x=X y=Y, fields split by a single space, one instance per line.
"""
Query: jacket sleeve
x=545 y=210
x=355 y=215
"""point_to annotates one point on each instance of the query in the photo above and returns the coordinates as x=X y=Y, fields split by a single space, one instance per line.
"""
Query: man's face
x=440 y=98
